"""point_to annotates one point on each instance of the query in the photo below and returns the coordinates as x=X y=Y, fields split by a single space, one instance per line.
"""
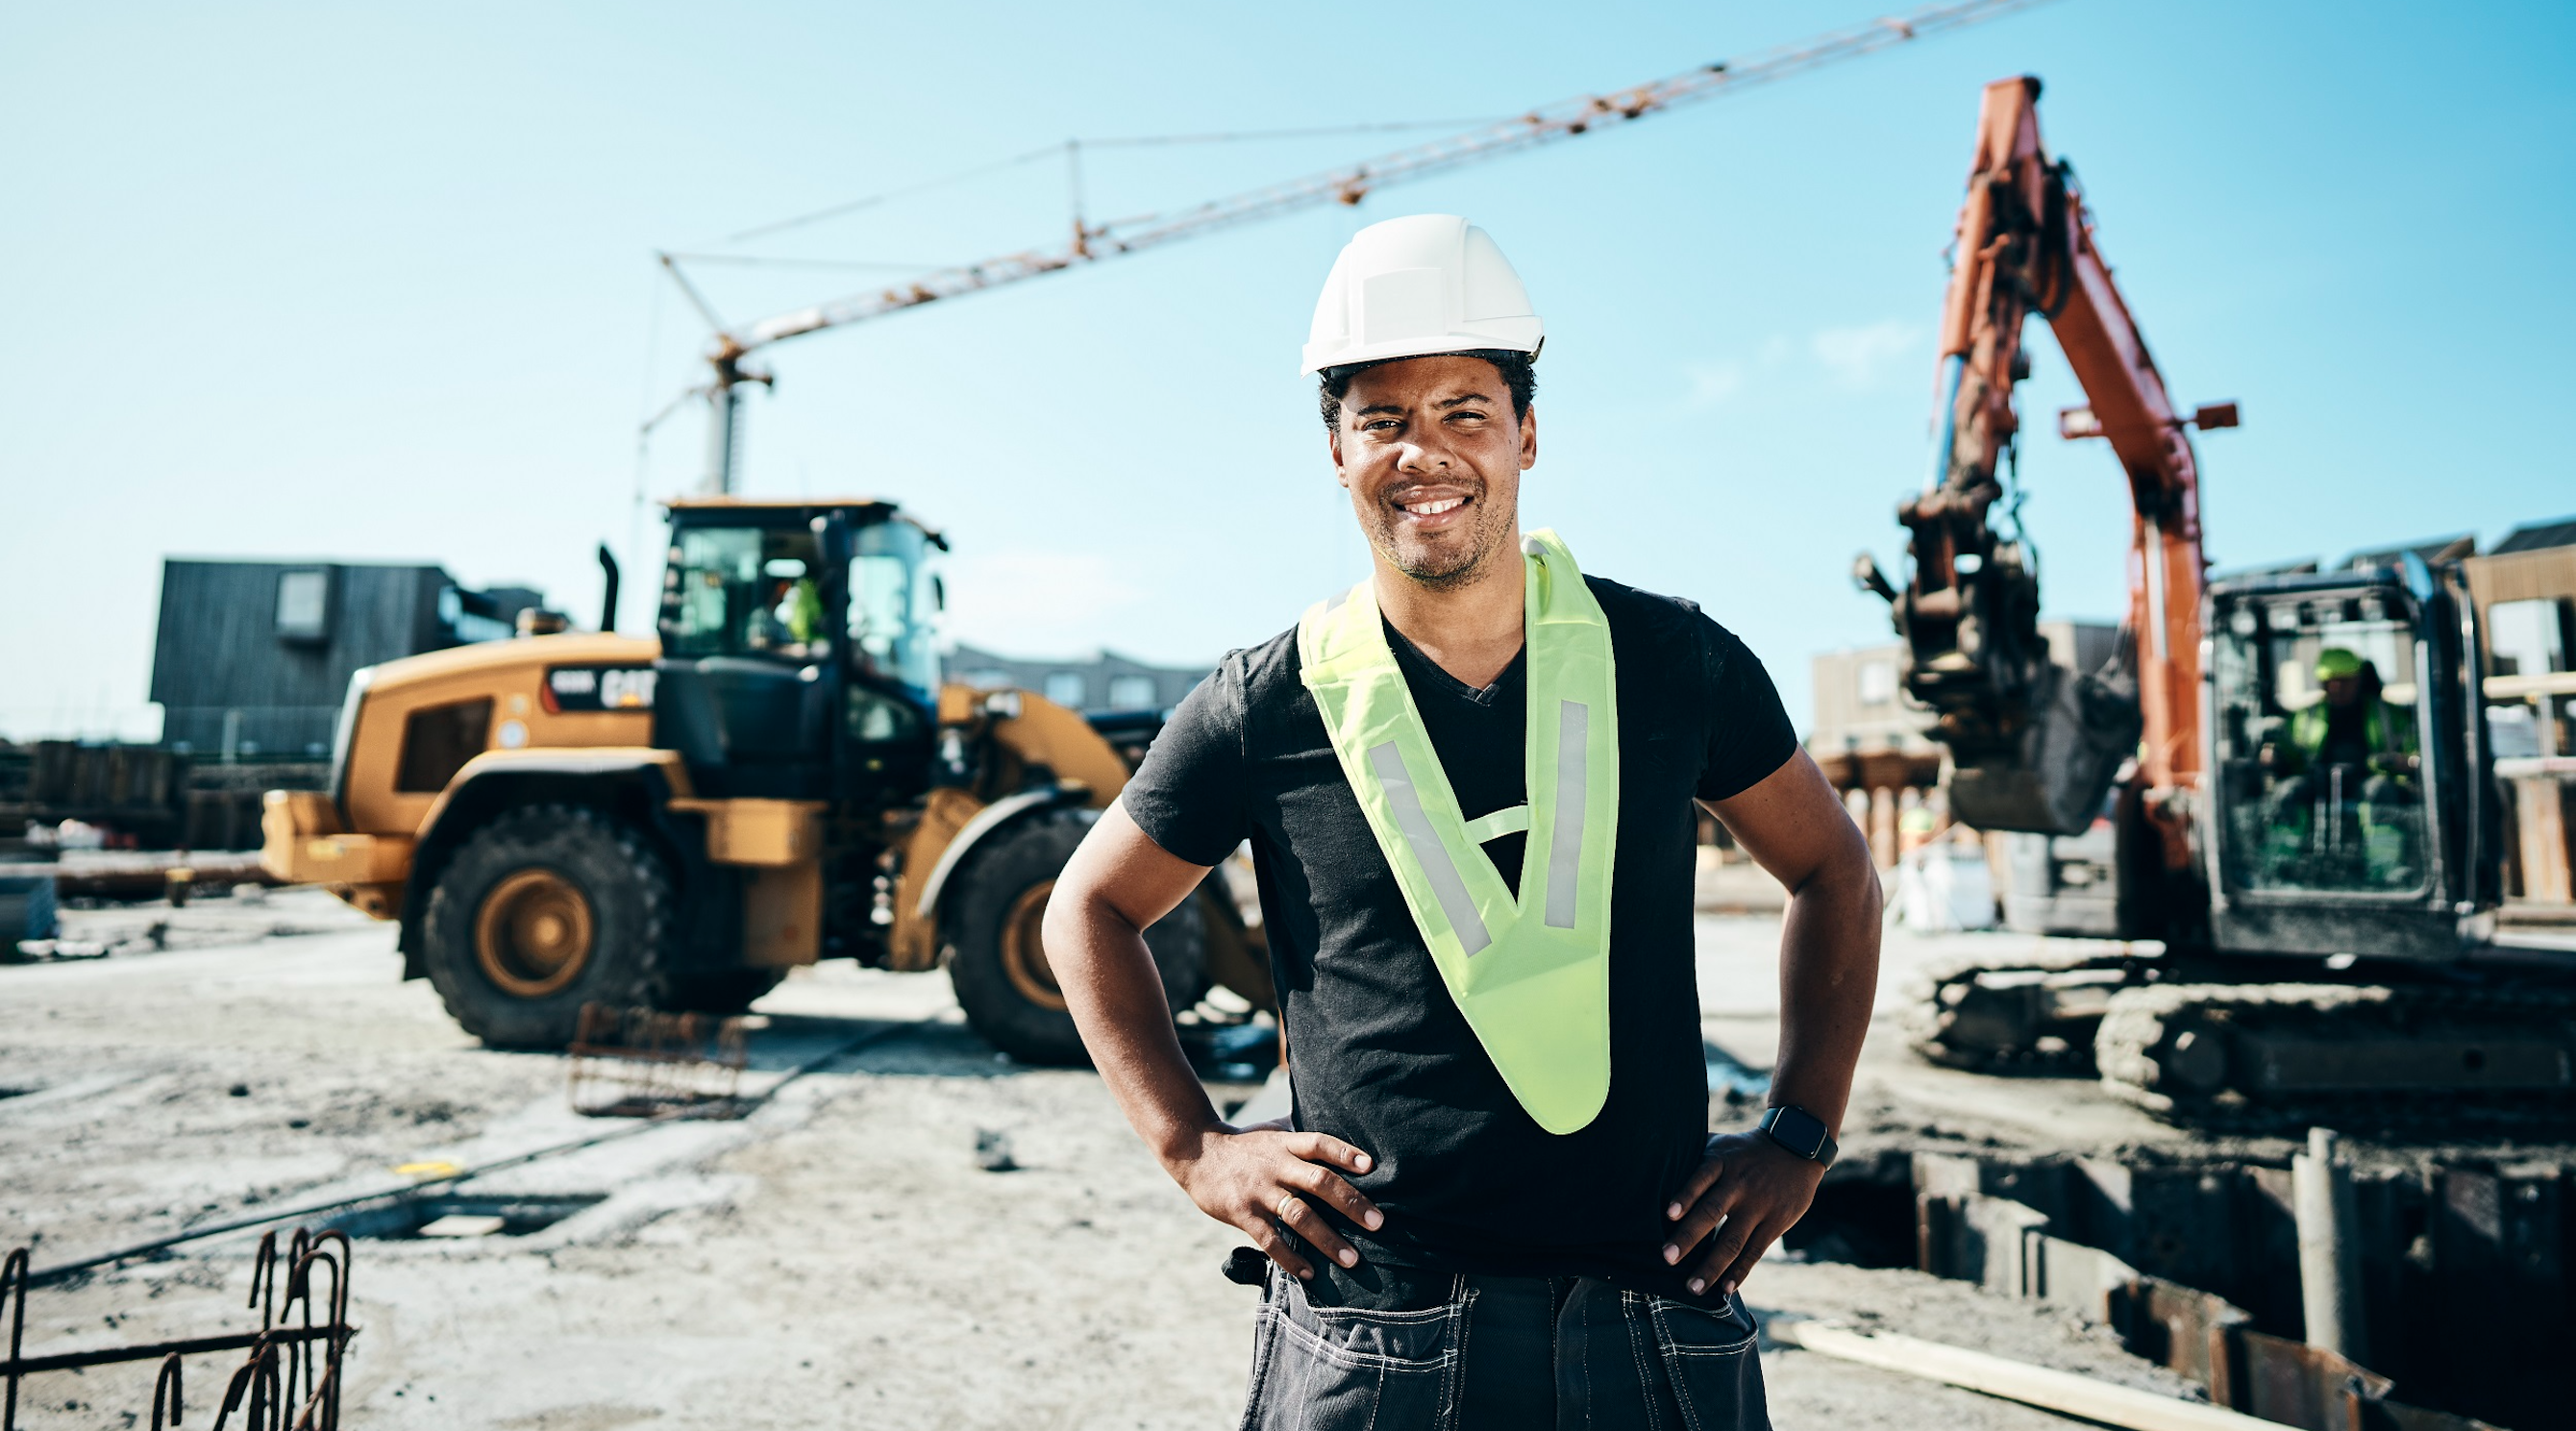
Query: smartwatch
x=1801 y=1132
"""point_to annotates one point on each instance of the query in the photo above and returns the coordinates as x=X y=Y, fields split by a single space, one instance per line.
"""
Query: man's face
x=2342 y=690
x=1433 y=457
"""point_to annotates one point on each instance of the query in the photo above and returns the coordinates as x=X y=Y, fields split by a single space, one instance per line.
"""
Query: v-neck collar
x=1417 y=663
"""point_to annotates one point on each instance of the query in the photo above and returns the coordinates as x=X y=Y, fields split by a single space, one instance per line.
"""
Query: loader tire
x=543 y=910
x=998 y=965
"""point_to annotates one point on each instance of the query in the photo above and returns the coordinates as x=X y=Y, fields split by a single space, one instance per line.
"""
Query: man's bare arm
x=1750 y=1190
x=1795 y=827
x=1117 y=884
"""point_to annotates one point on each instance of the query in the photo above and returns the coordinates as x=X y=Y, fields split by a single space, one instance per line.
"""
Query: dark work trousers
x=1395 y=1347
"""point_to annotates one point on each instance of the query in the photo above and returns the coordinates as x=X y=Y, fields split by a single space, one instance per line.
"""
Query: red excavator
x=2284 y=780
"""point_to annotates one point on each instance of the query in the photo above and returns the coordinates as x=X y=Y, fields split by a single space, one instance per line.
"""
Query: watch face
x=1797 y=1129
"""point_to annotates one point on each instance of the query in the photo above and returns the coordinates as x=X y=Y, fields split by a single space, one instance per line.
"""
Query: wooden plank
x=2063 y=1392
x=2542 y=683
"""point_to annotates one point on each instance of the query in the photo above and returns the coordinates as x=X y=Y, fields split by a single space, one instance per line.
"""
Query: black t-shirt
x=1378 y=1053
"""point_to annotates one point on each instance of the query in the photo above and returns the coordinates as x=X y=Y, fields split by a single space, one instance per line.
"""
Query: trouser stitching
x=1453 y=1386
x=1583 y=1349
x=1637 y=1316
x=1264 y=1348
x=1325 y=1349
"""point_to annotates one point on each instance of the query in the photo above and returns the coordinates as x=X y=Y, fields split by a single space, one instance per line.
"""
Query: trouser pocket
x=1349 y=1368
x=1710 y=1360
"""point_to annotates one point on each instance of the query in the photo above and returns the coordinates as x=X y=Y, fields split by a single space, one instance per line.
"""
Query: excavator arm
x=2036 y=746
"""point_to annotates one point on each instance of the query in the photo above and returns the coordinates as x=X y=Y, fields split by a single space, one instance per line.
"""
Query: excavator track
x=2283 y=1054
x=2258 y=1056
x=2036 y=1017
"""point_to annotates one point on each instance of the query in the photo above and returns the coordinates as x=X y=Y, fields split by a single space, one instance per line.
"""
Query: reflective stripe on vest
x=1531 y=971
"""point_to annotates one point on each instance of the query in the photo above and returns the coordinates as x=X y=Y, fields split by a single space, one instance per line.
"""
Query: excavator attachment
x=2075 y=728
x=2034 y=744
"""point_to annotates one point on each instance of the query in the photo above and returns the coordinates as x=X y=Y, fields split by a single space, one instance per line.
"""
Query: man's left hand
x=1747 y=1192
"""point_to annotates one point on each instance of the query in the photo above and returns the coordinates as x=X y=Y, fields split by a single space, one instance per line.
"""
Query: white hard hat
x=1428 y=283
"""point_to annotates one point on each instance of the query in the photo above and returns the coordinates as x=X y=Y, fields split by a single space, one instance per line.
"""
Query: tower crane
x=1091 y=243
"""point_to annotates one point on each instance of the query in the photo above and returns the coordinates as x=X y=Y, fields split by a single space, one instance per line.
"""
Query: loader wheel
x=997 y=960
x=544 y=909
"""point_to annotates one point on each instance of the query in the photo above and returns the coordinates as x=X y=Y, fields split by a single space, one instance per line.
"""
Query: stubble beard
x=1447 y=570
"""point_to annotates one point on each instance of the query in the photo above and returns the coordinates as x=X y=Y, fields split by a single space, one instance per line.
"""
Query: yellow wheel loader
x=780 y=776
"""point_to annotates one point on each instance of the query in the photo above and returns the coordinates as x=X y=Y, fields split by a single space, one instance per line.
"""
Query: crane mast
x=1091 y=243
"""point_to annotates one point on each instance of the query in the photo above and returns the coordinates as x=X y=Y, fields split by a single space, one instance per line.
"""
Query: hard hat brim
x=1509 y=335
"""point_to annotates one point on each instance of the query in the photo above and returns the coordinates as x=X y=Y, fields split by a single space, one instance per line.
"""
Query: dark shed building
x=1105 y=682
x=253 y=658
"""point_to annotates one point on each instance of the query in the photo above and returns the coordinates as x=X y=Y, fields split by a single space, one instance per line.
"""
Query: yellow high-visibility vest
x=1531 y=971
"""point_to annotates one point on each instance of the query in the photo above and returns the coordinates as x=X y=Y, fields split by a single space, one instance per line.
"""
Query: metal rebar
x=13 y=1296
x=186 y=1346
x=168 y=1385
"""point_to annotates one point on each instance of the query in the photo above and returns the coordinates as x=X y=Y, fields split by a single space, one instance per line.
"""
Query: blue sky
x=374 y=282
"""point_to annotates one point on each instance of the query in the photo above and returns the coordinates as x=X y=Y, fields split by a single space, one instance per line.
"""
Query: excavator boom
x=2037 y=746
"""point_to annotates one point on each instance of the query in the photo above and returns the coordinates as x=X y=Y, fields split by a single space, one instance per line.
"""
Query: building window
x=1877 y=682
x=1132 y=693
x=987 y=680
x=470 y=626
x=304 y=606
x=1065 y=688
x=2526 y=637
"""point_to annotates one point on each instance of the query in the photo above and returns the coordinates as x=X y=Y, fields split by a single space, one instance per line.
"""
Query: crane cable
x=1563 y=120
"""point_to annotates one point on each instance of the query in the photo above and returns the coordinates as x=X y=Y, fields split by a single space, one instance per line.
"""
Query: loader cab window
x=742 y=591
x=894 y=608
x=2319 y=760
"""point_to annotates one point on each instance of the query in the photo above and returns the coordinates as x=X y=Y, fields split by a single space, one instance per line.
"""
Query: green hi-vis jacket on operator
x=2385 y=730
x=1531 y=972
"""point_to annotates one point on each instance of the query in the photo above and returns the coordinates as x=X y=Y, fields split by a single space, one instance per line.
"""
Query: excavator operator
x=2350 y=759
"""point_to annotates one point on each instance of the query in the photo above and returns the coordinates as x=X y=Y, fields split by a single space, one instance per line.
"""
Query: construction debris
x=639 y=1063
x=993 y=1152
x=2452 y=1270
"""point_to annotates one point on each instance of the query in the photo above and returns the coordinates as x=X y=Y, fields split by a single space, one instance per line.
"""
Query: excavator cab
x=2350 y=764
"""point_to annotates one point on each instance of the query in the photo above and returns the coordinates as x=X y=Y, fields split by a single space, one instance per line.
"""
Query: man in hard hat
x=2354 y=725
x=1467 y=784
x=2348 y=770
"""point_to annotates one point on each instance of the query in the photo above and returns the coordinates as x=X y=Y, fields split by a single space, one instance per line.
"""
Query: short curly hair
x=1520 y=375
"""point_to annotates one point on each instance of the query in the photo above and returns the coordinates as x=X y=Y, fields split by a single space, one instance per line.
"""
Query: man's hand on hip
x=1254 y=1178
x=1746 y=1193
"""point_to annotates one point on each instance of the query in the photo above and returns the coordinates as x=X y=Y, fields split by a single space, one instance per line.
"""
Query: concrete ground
x=836 y=1258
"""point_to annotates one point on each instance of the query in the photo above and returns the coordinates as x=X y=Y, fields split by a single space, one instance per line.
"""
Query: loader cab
x=798 y=649
x=2350 y=790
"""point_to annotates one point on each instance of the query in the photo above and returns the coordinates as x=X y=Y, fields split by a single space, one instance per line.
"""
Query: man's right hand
x=1253 y=1179
x=1117 y=884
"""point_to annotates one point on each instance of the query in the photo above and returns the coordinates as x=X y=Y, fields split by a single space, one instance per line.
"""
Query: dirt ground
x=837 y=1258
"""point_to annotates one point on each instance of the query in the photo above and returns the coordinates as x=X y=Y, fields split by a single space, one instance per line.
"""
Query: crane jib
x=1565 y=119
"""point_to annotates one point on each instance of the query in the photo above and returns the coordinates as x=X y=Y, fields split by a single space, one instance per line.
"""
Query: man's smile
x=1434 y=512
